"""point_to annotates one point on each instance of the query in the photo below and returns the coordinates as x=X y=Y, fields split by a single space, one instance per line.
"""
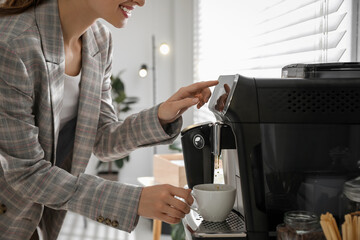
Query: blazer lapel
x=48 y=22
x=89 y=102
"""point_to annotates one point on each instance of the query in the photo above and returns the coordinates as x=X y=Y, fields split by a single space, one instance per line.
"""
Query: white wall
x=169 y=21
x=183 y=35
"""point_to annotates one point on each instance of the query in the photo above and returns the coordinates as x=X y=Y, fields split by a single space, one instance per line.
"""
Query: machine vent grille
x=328 y=101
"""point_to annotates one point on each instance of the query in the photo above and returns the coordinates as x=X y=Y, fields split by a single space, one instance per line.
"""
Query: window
x=257 y=38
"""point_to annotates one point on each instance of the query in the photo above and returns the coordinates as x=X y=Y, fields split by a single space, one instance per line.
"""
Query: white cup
x=214 y=201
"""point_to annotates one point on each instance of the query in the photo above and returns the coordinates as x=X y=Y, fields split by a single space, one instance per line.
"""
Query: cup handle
x=196 y=209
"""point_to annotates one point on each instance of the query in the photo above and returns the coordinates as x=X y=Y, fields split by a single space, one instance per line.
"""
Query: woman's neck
x=75 y=19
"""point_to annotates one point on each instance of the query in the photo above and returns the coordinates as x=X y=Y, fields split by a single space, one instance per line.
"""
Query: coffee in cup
x=213 y=202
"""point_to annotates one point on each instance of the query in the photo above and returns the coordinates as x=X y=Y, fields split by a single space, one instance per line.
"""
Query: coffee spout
x=222 y=137
x=216 y=140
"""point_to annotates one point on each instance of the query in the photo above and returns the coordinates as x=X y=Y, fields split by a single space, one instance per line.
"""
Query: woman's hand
x=159 y=202
x=197 y=93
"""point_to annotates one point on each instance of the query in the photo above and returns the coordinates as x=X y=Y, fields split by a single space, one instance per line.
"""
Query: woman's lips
x=126 y=10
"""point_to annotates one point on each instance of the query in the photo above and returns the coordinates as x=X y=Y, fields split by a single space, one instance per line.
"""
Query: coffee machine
x=286 y=144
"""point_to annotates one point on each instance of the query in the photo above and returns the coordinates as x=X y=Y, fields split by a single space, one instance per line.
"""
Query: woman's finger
x=193 y=89
x=206 y=93
x=185 y=103
x=170 y=111
x=169 y=219
x=173 y=212
x=179 y=205
x=197 y=87
x=183 y=194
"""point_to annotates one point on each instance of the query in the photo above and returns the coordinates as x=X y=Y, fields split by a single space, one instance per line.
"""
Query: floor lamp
x=164 y=49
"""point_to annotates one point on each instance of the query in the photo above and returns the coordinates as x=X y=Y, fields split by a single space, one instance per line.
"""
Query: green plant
x=176 y=146
x=177 y=231
x=122 y=103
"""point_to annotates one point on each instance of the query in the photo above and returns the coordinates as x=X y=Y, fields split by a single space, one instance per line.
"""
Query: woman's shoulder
x=13 y=26
x=19 y=36
x=102 y=37
x=101 y=31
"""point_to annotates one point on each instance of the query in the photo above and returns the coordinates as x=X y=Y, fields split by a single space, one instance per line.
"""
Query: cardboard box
x=169 y=169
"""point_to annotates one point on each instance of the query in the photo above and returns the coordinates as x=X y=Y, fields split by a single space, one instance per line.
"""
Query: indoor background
x=208 y=38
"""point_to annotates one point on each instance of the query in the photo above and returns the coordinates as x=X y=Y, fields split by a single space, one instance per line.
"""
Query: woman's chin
x=118 y=24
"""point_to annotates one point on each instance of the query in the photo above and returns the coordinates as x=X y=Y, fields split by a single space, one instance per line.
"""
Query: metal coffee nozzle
x=216 y=139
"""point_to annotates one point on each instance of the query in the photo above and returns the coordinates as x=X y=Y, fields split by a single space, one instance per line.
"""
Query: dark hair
x=17 y=6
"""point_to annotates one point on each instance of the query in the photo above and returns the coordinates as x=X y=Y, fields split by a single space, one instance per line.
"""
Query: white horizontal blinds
x=304 y=31
x=342 y=30
x=257 y=38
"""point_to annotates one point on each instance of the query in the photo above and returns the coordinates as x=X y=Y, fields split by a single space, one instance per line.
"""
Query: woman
x=55 y=110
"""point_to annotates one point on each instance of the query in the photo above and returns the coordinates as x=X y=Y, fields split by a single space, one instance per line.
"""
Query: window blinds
x=257 y=38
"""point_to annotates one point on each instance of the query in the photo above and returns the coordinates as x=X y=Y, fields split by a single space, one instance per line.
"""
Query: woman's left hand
x=197 y=93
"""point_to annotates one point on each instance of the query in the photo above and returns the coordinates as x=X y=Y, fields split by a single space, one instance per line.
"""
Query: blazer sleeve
x=36 y=180
x=118 y=138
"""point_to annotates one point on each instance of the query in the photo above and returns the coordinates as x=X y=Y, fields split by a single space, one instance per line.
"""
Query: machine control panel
x=222 y=95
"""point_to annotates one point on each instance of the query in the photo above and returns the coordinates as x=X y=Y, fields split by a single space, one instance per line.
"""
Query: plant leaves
x=177 y=232
x=130 y=100
x=176 y=147
x=120 y=162
x=117 y=84
x=120 y=97
x=125 y=109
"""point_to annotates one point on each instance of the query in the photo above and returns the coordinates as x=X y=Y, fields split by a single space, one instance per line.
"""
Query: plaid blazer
x=32 y=188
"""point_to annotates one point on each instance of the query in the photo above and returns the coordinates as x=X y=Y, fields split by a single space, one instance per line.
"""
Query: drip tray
x=232 y=227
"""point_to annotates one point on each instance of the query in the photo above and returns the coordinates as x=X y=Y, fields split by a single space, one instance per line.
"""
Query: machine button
x=198 y=141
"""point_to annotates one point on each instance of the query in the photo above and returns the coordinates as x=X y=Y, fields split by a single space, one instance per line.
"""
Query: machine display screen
x=222 y=95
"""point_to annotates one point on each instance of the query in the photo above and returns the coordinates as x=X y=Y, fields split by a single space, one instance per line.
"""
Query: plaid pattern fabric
x=32 y=187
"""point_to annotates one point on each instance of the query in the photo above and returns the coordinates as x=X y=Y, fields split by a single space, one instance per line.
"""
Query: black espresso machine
x=286 y=144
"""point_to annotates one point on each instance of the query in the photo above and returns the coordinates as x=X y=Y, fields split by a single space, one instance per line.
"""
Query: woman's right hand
x=195 y=94
x=159 y=202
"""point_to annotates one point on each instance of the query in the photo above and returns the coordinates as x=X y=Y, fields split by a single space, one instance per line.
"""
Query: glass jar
x=300 y=225
x=352 y=194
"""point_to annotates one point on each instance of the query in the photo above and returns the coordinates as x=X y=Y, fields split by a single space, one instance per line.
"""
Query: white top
x=71 y=99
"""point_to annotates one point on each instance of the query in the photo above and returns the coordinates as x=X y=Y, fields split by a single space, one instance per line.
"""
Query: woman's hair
x=16 y=6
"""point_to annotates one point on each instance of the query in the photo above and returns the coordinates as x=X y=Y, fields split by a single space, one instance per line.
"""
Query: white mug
x=214 y=201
